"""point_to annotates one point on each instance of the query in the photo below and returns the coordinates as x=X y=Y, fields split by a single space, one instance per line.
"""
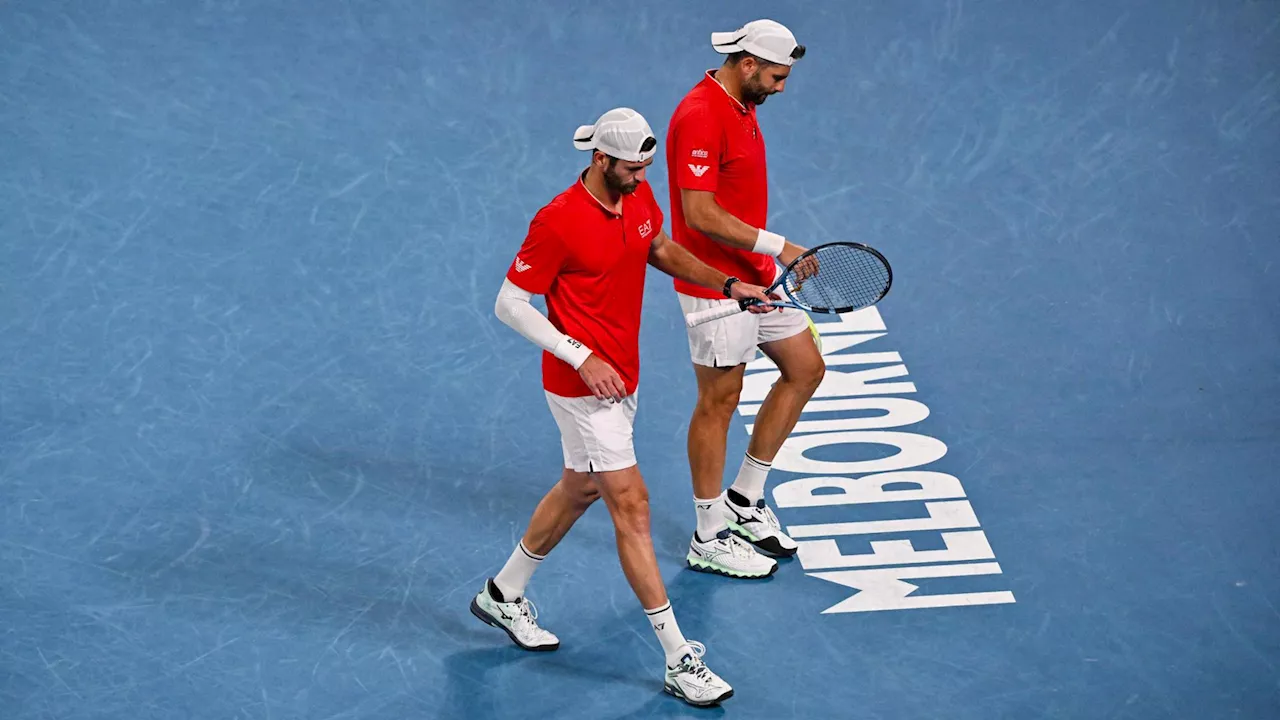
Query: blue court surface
x=262 y=437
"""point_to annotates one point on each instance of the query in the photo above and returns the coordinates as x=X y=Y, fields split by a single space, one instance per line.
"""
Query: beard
x=753 y=91
x=755 y=95
x=615 y=184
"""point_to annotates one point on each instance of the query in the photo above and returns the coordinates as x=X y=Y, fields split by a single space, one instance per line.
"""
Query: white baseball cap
x=765 y=39
x=622 y=133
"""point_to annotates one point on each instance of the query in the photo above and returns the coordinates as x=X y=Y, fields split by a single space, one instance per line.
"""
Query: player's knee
x=631 y=510
x=814 y=373
x=580 y=489
x=586 y=495
x=634 y=500
x=720 y=403
x=806 y=374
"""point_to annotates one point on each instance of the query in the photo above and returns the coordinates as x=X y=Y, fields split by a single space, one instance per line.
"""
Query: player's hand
x=603 y=380
x=805 y=269
x=745 y=291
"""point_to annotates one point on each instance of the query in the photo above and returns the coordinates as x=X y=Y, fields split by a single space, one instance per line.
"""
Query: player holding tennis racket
x=587 y=251
x=719 y=202
x=833 y=278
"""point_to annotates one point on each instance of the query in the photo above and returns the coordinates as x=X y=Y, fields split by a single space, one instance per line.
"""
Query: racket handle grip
x=695 y=319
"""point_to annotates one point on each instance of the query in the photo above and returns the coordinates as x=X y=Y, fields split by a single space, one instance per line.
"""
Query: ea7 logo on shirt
x=521 y=265
x=699 y=170
x=699 y=154
x=646 y=229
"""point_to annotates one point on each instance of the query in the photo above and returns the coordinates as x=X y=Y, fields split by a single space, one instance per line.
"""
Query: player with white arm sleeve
x=587 y=251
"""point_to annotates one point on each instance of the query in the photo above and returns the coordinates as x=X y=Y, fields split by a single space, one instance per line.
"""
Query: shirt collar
x=710 y=78
x=582 y=187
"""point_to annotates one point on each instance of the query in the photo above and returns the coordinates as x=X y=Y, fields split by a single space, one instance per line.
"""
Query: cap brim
x=726 y=42
x=583 y=137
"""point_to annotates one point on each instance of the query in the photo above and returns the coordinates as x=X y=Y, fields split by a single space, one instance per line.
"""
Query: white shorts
x=733 y=340
x=596 y=434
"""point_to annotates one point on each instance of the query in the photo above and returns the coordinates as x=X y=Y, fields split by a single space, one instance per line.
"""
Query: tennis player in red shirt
x=719 y=203
x=587 y=251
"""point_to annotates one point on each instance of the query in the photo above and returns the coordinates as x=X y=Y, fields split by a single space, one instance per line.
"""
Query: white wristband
x=769 y=243
x=572 y=352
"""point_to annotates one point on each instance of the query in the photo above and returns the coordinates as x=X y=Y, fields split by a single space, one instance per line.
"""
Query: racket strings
x=847 y=277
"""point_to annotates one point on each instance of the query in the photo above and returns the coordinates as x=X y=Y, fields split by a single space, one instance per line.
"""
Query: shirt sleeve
x=698 y=146
x=540 y=258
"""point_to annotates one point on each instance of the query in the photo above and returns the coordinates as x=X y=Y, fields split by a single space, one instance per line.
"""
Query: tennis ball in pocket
x=813 y=330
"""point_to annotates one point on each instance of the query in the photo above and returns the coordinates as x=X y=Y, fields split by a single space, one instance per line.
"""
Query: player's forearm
x=722 y=226
x=679 y=263
x=513 y=307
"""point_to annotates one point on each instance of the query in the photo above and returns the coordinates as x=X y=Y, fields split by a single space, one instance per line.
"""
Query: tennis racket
x=837 y=277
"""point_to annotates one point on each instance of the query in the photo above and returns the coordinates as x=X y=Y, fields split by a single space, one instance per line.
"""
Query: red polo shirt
x=590 y=262
x=715 y=144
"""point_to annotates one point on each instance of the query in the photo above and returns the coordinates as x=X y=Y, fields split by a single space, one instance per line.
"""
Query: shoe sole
x=779 y=552
x=487 y=620
x=675 y=692
x=703 y=566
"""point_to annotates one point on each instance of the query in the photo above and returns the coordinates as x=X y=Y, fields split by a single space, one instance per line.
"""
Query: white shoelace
x=528 y=612
x=739 y=547
x=771 y=519
x=694 y=665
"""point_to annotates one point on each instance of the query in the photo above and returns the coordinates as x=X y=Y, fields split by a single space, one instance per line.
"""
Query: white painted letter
x=755 y=386
x=864 y=320
x=967 y=545
x=884 y=589
x=948 y=515
x=867 y=489
x=913 y=451
x=899 y=412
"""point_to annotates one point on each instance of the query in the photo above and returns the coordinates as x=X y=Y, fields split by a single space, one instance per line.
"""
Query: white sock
x=514 y=576
x=751 y=477
x=663 y=622
x=710 y=517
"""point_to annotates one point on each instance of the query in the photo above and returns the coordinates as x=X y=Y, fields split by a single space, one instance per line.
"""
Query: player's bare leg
x=802 y=369
x=746 y=512
x=559 y=509
x=627 y=498
x=718 y=391
x=713 y=547
x=502 y=603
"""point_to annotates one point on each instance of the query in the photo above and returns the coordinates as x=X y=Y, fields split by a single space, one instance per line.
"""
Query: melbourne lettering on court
x=860 y=402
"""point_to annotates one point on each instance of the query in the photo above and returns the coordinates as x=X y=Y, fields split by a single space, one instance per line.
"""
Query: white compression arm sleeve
x=514 y=309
